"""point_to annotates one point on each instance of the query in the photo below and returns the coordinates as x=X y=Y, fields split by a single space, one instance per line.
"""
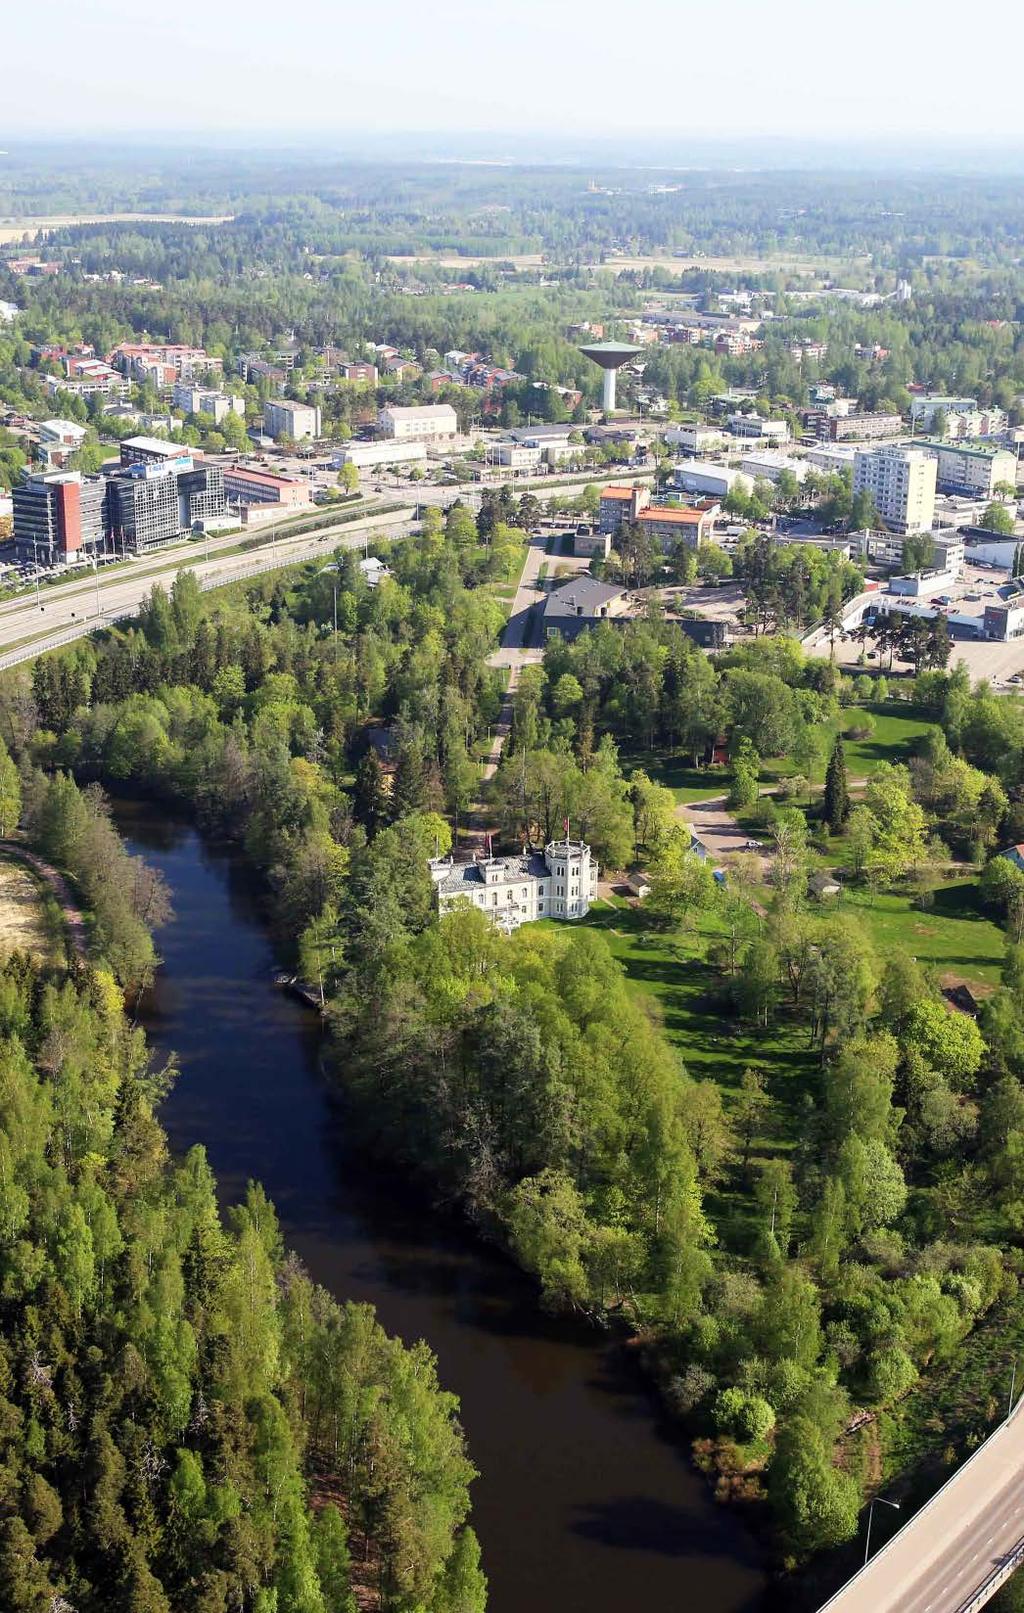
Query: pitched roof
x=585 y=592
x=675 y=517
x=462 y=879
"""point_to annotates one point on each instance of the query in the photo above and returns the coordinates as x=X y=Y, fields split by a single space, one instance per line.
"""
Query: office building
x=902 y=483
x=428 y=422
x=283 y=418
x=696 y=439
x=58 y=440
x=972 y=471
x=58 y=517
x=752 y=426
x=244 y=486
x=157 y=502
x=620 y=506
x=669 y=525
x=151 y=451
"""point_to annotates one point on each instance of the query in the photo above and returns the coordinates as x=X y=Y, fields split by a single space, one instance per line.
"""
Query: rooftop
x=673 y=514
x=155 y=445
x=585 y=592
x=464 y=878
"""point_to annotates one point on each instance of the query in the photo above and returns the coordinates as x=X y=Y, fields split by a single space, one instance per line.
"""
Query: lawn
x=677 y=773
x=954 y=936
x=898 y=727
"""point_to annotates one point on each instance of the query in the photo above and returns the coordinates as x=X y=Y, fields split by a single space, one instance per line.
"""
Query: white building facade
x=430 y=422
x=902 y=483
x=559 y=884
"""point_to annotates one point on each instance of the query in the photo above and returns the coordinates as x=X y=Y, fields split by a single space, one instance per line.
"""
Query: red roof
x=617 y=492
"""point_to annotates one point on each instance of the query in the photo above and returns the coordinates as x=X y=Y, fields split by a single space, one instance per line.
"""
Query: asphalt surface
x=940 y=1560
x=521 y=642
x=69 y=609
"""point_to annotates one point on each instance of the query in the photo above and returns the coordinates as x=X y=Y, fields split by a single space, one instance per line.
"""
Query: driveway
x=520 y=642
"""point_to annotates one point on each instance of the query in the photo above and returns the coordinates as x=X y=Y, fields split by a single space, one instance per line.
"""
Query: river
x=585 y=1501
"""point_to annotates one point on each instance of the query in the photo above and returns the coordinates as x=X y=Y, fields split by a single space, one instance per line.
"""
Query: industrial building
x=58 y=517
x=902 y=483
x=429 y=422
x=370 y=455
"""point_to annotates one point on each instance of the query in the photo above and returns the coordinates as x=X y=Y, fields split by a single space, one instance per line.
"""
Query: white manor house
x=558 y=883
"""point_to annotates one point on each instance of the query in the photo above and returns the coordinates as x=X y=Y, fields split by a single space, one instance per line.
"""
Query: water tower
x=611 y=356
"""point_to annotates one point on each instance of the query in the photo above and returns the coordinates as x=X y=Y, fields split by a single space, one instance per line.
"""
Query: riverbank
x=586 y=1492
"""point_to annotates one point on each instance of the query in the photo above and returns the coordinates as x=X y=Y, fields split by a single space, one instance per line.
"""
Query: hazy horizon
x=568 y=75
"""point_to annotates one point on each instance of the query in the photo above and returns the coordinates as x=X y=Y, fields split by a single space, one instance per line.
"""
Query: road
x=954 y=1553
x=520 y=642
x=68 y=610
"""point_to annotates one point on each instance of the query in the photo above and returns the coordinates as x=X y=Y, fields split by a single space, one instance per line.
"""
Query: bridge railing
x=999 y=1575
x=954 y=1478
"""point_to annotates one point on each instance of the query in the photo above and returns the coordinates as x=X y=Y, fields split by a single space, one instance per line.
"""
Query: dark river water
x=584 y=1500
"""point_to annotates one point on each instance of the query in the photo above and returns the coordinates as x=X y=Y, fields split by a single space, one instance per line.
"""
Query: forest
x=803 y=1218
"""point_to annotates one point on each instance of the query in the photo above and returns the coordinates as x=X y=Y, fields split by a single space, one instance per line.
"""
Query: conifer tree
x=836 y=803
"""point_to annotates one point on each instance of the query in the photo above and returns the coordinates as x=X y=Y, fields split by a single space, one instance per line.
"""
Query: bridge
x=960 y=1547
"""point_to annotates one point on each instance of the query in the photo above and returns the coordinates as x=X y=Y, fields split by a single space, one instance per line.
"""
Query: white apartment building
x=559 y=884
x=831 y=457
x=283 y=418
x=963 y=417
x=970 y=471
x=902 y=483
x=201 y=400
x=428 y=422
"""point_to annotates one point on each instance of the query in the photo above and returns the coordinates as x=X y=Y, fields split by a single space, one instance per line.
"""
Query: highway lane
x=940 y=1560
x=70 y=610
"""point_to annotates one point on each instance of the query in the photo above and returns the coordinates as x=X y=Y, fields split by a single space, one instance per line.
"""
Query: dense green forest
x=188 y=1422
x=802 y=1225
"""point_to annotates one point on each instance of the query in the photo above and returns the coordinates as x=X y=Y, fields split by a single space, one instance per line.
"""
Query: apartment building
x=88 y=378
x=829 y=427
x=162 y=363
x=284 y=418
x=669 y=525
x=620 y=506
x=902 y=483
x=972 y=471
x=428 y=422
x=58 y=440
x=962 y=417
x=58 y=516
x=201 y=400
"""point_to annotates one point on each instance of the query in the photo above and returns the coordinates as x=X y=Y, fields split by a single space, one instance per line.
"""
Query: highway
x=953 y=1554
x=65 y=611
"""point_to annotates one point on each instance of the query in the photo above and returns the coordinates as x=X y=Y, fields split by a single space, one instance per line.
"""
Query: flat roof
x=269 y=477
x=982 y=452
x=156 y=445
x=617 y=492
x=679 y=517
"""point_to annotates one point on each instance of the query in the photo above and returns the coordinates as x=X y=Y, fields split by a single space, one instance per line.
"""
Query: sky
x=819 y=70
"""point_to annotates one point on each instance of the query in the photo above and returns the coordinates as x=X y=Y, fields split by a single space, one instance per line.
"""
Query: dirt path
x=72 y=913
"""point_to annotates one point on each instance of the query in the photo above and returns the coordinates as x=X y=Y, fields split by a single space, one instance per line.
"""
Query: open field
x=452 y=260
x=785 y=264
x=23 y=924
x=16 y=229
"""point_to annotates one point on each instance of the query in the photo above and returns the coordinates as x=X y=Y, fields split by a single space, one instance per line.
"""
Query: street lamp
x=96 y=580
x=871 y=1512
